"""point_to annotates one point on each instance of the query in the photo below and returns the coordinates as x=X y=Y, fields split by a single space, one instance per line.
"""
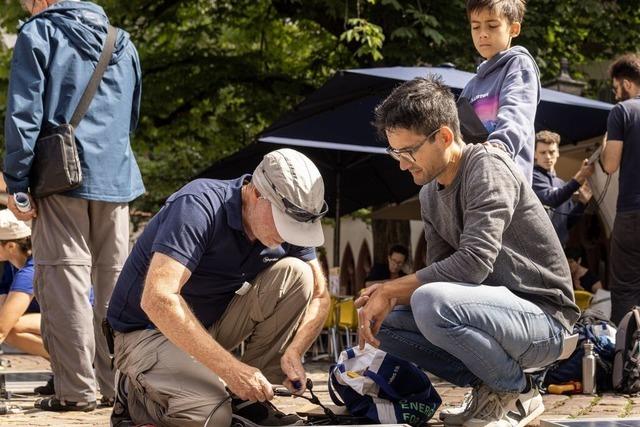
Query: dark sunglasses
x=295 y=211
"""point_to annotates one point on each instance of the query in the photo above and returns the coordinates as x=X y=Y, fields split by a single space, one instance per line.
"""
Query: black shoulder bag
x=56 y=166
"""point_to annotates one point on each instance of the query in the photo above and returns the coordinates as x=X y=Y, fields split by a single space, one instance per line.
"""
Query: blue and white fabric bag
x=382 y=387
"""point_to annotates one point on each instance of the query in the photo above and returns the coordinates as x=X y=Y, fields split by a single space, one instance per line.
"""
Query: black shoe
x=120 y=415
x=54 y=404
x=107 y=402
x=46 y=390
x=125 y=423
x=262 y=414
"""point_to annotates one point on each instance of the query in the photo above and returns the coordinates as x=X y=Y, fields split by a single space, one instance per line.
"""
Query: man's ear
x=629 y=86
x=447 y=136
x=514 y=30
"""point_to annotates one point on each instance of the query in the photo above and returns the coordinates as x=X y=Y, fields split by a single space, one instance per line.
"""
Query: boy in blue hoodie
x=506 y=89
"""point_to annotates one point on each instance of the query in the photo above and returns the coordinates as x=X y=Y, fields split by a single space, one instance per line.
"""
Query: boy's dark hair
x=421 y=105
x=513 y=10
x=547 y=137
x=626 y=67
x=573 y=253
x=399 y=249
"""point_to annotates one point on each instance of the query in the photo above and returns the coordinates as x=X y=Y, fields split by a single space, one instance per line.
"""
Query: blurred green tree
x=217 y=72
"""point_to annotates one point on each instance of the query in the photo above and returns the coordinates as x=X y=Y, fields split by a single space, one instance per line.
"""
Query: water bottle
x=22 y=202
x=588 y=369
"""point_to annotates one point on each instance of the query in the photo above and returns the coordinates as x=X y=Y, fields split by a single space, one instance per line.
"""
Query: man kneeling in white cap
x=222 y=262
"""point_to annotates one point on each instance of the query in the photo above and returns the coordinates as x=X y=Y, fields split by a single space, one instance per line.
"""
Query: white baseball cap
x=294 y=186
x=12 y=228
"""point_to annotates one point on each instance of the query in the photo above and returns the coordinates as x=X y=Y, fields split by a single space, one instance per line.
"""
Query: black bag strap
x=96 y=78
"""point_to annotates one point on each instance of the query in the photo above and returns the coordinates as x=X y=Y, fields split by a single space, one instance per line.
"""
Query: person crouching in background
x=19 y=311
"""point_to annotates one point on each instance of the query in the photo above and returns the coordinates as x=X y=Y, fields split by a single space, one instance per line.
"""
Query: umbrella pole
x=336 y=228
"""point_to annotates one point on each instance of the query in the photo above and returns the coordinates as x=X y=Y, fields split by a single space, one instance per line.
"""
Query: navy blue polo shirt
x=200 y=226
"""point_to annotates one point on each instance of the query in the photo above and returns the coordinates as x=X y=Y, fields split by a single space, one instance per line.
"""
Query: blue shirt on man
x=624 y=125
x=555 y=194
x=200 y=226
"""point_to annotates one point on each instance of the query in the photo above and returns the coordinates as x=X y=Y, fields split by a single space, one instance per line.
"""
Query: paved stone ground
x=557 y=407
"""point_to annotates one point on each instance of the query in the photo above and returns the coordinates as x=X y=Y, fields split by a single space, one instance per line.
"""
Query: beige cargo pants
x=167 y=387
x=78 y=243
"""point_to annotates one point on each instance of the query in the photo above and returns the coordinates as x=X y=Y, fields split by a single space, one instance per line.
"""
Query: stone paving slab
x=609 y=406
x=19 y=363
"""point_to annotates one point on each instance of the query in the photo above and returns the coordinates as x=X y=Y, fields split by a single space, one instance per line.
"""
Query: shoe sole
x=68 y=409
x=443 y=417
x=450 y=423
x=522 y=423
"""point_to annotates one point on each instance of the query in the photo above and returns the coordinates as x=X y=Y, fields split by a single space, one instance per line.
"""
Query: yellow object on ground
x=583 y=299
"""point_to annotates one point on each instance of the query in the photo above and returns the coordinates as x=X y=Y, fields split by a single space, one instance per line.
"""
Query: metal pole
x=336 y=228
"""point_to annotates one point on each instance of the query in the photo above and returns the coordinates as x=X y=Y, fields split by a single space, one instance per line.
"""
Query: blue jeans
x=471 y=334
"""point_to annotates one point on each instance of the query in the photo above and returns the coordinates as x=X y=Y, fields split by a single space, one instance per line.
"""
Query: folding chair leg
x=334 y=344
x=347 y=334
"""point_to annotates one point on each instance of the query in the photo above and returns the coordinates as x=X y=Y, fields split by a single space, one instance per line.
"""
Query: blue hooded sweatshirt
x=55 y=54
x=505 y=94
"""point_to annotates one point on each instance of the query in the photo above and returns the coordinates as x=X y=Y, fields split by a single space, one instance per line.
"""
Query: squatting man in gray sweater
x=496 y=295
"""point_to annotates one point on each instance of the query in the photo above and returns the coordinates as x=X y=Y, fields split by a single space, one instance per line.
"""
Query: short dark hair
x=421 y=105
x=547 y=137
x=513 y=10
x=626 y=67
x=399 y=249
x=573 y=253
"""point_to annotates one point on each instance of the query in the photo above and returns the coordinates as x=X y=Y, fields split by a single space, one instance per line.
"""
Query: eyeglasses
x=407 y=154
x=295 y=211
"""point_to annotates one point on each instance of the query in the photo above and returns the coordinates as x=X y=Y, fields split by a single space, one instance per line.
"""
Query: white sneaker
x=527 y=407
x=508 y=410
x=473 y=399
x=492 y=413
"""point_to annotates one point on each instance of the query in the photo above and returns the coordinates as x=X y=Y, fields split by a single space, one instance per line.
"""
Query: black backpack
x=626 y=363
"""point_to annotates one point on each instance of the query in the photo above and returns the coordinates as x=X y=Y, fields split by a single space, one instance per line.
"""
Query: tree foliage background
x=217 y=72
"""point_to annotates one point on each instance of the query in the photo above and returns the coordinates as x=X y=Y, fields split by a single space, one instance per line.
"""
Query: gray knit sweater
x=488 y=227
